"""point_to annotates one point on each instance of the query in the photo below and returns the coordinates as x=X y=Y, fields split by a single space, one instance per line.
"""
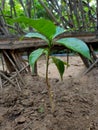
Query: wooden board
x=16 y=43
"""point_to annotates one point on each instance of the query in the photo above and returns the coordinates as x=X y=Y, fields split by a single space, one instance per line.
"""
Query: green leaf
x=41 y=109
x=43 y=26
x=35 y=55
x=76 y=45
x=59 y=31
x=36 y=35
x=60 y=65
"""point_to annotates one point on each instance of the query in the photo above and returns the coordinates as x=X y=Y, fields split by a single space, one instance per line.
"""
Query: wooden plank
x=16 y=43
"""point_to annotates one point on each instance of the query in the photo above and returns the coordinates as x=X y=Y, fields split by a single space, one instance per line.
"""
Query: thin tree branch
x=48 y=11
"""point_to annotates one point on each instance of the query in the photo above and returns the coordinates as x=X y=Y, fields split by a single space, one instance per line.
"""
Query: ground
x=76 y=100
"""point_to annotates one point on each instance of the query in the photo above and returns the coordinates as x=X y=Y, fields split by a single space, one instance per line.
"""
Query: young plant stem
x=48 y=84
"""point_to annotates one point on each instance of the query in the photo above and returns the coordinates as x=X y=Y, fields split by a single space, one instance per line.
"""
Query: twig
x=2 y=60
x=91 y=67
x=7 y=79
x=16 y=59
x=14 y=67
x=3 y=21
x=16 y=74
x=93 y=53
x=0 y=82
x=18 y=84
x=48 y=11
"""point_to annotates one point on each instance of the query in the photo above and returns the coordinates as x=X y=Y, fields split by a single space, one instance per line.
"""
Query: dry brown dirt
x=76 y=100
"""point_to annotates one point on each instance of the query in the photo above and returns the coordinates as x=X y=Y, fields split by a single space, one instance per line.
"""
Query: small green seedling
x=46 y=30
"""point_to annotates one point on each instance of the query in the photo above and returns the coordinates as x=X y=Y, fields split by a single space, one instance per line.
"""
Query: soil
x=76 y=100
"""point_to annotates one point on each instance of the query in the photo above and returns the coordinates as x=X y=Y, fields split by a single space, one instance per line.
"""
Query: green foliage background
x=73 y=15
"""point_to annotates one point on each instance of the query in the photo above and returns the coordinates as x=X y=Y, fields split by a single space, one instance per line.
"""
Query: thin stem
x=48 y=84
